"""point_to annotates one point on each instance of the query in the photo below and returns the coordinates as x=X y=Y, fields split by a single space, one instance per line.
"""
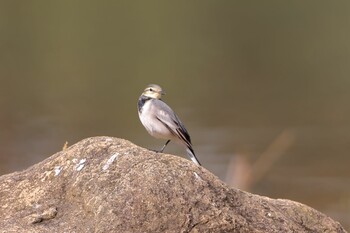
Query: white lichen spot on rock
x=197 y=176
x=110 y=161
x=81 y=164
x=58 y=170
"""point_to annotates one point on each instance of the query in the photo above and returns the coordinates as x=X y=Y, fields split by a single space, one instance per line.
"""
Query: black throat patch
x=141 y=102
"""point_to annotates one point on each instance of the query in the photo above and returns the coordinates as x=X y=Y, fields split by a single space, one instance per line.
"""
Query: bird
x=161 y=121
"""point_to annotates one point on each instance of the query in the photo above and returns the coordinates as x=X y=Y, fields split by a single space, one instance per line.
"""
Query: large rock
x=107 y=184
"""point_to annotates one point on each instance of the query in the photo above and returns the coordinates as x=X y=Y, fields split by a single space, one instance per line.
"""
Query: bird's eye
x=150 y=89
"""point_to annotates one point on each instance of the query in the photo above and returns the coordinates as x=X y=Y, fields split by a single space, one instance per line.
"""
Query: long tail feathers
x=192 y=156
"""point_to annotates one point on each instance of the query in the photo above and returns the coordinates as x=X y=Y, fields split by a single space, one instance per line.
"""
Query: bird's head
x=153 y=91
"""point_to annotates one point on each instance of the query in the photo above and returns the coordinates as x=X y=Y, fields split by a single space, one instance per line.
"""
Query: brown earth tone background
x=262 y=86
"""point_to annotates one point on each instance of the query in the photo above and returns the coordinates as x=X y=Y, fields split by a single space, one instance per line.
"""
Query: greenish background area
x=263 y=87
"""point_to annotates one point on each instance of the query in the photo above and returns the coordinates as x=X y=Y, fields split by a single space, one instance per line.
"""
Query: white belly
x=153 y=126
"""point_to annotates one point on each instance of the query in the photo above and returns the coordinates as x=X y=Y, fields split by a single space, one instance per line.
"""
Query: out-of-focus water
x=262 y=86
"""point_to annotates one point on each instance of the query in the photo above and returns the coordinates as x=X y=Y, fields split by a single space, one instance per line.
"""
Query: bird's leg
x=161 y=150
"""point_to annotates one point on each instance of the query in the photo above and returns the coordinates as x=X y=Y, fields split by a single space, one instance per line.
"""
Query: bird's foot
x=157 y=151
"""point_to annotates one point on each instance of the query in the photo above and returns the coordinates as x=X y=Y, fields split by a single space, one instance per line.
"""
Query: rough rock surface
x=105 y=184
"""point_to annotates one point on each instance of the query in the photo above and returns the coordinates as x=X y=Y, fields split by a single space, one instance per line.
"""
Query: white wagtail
x=161 y=121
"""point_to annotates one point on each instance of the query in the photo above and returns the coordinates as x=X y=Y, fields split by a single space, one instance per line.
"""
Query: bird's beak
x=162 y=93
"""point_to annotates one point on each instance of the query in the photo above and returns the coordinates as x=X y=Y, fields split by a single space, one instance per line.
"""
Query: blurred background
x=262 y=86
